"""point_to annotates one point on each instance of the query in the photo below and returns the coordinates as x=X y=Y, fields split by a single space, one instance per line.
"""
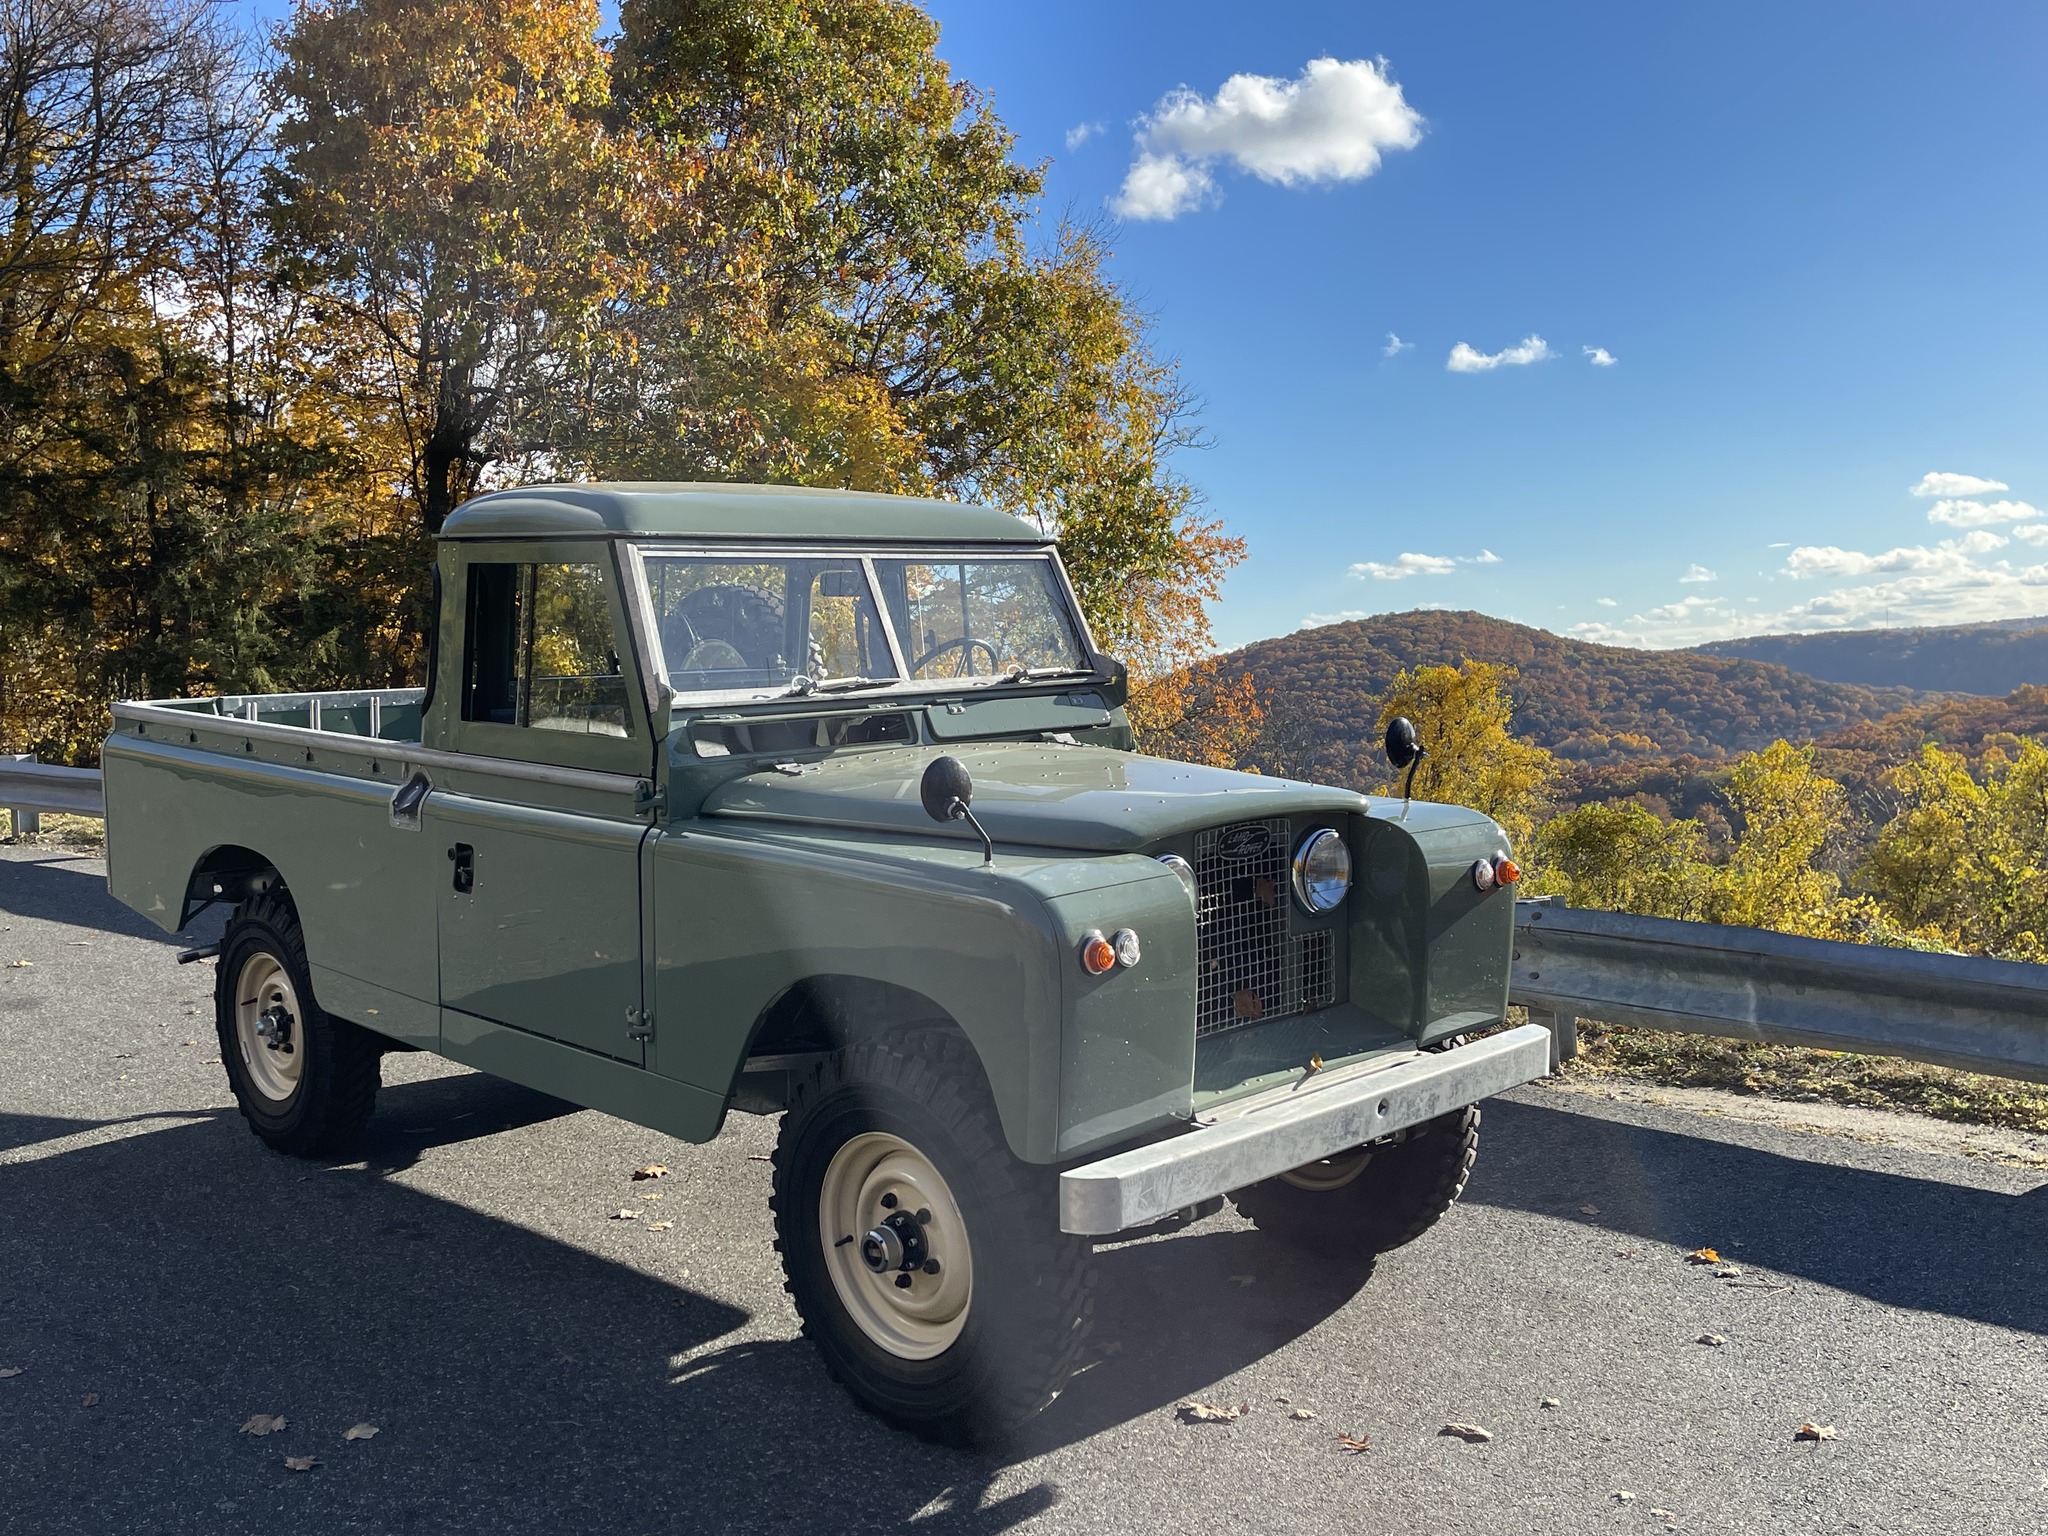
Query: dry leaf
x=1550 y=1402
x=1302 y=1413
x=91 y=1400
x=359 y=1432
x=659 y=1226
x=1471 y=1432
x=19 y=965
x=1354 y=1443
x=9 y=1370
x=1211 y=1413
x=1622 y=1496
x=1589 y=1210
x=1703 y=1256
x=263 y=1424
x=623 y=1214
x=1727 y=1272
x=1714 y=1340
x=301 y=1463
x=1662 y=1514
x=1814 y=1432
x=1315 y=1063
x=651 y=1171
x=652 y=1194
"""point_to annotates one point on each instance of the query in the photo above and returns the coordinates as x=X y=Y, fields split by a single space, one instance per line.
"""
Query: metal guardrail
x=1980 y=1015
x=28 y=788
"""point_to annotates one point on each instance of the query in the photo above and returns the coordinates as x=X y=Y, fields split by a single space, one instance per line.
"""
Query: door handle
x=465 y=867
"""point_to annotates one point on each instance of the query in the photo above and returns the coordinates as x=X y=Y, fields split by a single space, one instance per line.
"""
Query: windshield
x=763 y=626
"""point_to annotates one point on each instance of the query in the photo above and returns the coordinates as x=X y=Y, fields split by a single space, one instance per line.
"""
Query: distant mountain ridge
x=1992 y=659
x=1587 y=703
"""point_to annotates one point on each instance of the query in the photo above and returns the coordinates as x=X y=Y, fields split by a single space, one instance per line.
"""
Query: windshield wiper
x=1017 y=672
x=803 y=687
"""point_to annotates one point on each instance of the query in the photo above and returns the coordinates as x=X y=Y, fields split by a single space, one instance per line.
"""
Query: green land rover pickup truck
x=824 y=804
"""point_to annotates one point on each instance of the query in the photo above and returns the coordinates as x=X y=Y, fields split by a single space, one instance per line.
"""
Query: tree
x=1623 y=858
x=1787 y=813
x=1461 y=716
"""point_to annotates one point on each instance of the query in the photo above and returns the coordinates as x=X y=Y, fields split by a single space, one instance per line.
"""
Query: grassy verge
x=87 y=832
x=1805 y=1076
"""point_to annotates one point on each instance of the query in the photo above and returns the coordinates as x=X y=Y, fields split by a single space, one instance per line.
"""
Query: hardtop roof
x=711 y=510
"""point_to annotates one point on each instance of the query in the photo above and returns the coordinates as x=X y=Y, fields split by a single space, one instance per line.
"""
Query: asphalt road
x=533 y=1364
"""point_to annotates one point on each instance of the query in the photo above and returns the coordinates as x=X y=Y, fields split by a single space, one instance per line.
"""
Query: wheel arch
x=829 y=1011
x=229 y=872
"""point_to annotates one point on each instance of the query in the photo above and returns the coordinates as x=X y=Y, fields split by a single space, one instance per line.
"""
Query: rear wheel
x=1372 y=1199
x=306 y=1083
x=925 y=1261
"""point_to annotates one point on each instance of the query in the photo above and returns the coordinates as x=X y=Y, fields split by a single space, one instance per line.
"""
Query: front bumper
x=1288 y=1127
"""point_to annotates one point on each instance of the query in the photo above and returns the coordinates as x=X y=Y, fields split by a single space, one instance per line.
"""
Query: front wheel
x=305 y=1082
x=925 y=1261
x=1372 y=1199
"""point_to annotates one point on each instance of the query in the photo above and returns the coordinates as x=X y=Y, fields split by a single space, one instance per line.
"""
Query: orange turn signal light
x=1097 y=955
x=1506 y=871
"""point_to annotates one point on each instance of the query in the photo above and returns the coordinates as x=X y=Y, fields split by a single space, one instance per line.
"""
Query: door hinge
x=639 y=1024
x=649 y=799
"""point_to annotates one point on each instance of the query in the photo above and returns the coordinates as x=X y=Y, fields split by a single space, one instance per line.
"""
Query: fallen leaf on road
x=1354 y=1443
x=1622 y=1496
x=1727 y=1271
x=1549 y=1402
x=625 y=1215
x=1703 y=1256
x=359 y=1432
x=1243 y=1280
x=652 y=1194
x=659 y=1226
x=759 y=1157
x=1713 y=1339
x=1589 y=1210
x=263 y=1424
x=9 y=1370
x=651 y=1171
x=1471 y=1432
x=1814 y=1432
x=1662 y=1514
x=301 y=1463
x=91 y=1400
x=1302 y=1413
x=19 y=965
x=1211 y=1413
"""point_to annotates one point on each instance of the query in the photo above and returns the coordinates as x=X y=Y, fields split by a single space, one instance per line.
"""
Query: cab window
x=539 y=651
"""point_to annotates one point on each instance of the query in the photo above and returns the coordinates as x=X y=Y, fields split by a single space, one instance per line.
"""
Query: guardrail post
x=26 y=823
x=1564 y=1034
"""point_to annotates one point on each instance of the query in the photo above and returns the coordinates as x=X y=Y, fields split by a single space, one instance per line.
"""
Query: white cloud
x=1978 y=514
x=1940 y=482
x=1697 y=572
x=1081 y=133
x=1396 y=346
x=2032 y=533
x=1404 y=567
x=1329 y=124
x=1484 y=557
x=1344 y=616
x=1781 y=544
x=1465 y=359
x=1950 y=555
x=1599 y=357
x=1605 y=602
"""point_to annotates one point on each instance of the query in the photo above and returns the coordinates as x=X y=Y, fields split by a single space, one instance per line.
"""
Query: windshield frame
x=634 y=553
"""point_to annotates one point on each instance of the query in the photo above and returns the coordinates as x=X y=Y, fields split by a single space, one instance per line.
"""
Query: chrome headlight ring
x=1322 y=870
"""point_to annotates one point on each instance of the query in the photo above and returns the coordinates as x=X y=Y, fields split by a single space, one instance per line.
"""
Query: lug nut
x=888 y=1202
x=924 y=1218
x=903 y=1282
x=931 y=1266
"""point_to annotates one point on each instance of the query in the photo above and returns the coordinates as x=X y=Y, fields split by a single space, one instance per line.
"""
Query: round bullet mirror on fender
x=1402 y=747
x=946 y=789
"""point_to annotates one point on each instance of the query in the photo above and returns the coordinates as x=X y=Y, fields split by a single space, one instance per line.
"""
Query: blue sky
x=1812 y=237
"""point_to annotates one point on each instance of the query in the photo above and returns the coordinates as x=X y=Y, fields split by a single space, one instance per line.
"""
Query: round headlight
x=1322 y=870
x=1186 y=872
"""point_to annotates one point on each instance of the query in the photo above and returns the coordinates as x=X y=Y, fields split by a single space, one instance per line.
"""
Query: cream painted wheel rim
x=1331 y=1173
x=873 y=1179
x=270 y=1027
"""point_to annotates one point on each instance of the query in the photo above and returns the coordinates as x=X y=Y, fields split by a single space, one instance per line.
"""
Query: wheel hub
x=274 y=1028
x=266 y=1024
x=895 y=1245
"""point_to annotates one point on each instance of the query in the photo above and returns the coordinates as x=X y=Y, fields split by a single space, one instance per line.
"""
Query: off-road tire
x=1032 y=1296
x=1403 y=1190
x=339 y=1076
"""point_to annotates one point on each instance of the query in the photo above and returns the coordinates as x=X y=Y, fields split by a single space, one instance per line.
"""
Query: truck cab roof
x=711 y=510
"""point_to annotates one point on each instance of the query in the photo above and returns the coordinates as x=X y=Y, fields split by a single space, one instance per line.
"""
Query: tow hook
x=274 y=1028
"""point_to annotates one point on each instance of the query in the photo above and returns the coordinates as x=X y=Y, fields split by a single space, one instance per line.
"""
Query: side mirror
x=1114 y=678
x=946 y=789
x=1402 y=747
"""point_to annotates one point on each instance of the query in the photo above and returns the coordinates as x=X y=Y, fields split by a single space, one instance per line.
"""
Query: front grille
x=1249 y=968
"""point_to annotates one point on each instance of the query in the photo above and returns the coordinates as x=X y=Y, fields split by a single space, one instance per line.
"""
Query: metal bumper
x=1273 y=1132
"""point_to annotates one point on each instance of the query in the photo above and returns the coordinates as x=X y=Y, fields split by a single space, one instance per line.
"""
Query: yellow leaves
x=1703 y=1256
x=1461 y=715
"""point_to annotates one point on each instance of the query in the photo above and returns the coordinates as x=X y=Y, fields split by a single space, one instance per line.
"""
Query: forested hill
x=1588 y=703
x=1969 y=658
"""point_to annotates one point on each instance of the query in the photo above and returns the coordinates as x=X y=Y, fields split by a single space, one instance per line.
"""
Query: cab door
x=540 y=911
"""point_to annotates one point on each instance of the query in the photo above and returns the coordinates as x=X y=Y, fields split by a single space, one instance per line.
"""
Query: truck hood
x=1048 y=796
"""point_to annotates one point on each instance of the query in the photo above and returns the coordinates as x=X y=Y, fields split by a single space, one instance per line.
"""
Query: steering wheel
x=713 y=656
x=966 y=646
